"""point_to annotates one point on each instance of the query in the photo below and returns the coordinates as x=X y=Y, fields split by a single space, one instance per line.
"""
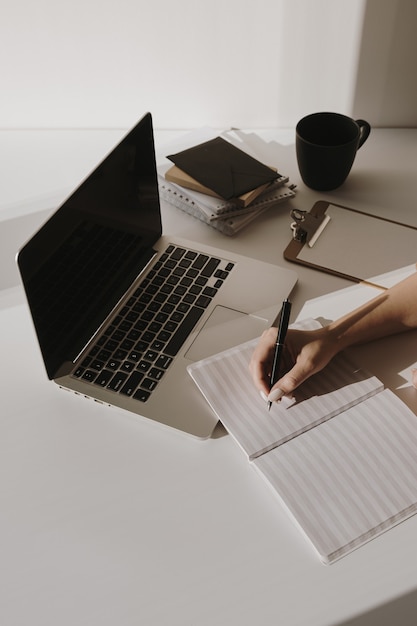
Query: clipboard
x=349 y=243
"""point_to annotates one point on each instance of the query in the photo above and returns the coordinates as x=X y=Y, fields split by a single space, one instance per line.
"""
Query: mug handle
x=364 y=130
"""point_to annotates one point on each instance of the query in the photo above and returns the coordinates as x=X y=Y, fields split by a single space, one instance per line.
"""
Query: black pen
x=279 y=346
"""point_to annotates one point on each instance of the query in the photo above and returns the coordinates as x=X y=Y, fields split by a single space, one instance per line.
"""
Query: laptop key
x=120 y=354
x=89 y=375
x=210 y=267
x=149 y=384
x=221 y=274
x=135 y=356
x=143 y=366
x=163 y=361
x=127 y=366
x=164 y=336
x=97 y=365
x=178 y=253
x=117 y=381
x=150 y=355
x=130 y=386
x=183 y=330
x=158 y=345
x=103 y=378
x=156 y=373
x=203 y=301
x=142 y=395
x=209 y=291
x=200 y=261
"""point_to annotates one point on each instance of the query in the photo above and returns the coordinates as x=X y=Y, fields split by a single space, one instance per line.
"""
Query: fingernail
x=263 y=396
x=414 y=377
x=275 y=395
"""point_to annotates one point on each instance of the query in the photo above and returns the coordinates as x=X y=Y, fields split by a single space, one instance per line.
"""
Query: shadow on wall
x=386 y=86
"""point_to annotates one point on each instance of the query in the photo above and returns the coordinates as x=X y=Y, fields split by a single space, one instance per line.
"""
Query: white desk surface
x=110 y=519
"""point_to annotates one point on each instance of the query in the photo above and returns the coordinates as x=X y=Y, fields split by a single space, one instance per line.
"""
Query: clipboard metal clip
x=306 y=227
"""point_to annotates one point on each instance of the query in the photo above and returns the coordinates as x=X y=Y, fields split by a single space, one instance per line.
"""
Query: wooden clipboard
x=349 y=243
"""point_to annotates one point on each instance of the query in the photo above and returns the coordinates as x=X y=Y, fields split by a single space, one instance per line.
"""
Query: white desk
x=109 y=519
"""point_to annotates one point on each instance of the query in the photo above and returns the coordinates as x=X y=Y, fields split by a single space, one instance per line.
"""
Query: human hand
x=305 y=353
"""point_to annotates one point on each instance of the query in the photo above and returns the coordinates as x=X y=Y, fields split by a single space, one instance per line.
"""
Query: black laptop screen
x=79 y=264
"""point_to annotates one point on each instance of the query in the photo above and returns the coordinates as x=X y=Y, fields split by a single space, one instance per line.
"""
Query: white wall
x=102 y=63
x=386 y=84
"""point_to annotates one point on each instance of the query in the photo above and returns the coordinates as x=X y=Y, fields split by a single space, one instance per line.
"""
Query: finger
x=289 y=382
x=260 y=370
x=261 y=361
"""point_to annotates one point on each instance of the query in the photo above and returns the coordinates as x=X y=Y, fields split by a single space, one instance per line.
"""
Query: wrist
x=338 y=336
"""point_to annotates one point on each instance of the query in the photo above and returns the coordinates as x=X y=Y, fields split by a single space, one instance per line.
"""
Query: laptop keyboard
x=135 y=351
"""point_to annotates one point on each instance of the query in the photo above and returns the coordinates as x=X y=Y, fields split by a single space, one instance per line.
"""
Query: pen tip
x=269 y=406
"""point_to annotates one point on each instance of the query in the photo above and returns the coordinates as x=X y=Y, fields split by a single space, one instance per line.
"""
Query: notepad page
x=225 y=382
x=351 y=478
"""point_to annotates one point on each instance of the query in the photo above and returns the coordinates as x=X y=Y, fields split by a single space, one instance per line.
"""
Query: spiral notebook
x=220 y=214
x=341 y=457
x=224 y=215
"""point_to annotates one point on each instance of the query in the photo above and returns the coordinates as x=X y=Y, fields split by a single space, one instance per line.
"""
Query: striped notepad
x=342 y=457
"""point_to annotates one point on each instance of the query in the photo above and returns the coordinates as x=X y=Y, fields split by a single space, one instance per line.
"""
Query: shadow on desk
x=391 y=360
x=13 y=234
x=401 y=611
x=219 y=431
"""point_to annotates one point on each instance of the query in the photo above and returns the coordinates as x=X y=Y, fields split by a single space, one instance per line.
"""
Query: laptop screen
x=80 y=263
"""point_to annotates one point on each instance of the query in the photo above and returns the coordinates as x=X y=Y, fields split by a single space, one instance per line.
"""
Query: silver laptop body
x=120 y=310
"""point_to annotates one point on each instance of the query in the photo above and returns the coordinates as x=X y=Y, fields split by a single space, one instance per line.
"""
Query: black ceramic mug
x=326 y=146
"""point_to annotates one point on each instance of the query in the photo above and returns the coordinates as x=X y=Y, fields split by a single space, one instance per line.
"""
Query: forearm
x=393 y=311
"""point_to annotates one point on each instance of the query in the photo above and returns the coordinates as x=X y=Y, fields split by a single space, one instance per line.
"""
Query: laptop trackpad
x=224 y=329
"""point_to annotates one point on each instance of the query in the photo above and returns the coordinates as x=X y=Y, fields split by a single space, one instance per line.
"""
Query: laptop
x=120 y=309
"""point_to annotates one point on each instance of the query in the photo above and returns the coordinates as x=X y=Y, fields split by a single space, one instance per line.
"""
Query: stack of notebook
x=221 y=180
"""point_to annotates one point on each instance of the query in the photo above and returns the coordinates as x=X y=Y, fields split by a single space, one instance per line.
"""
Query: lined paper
x=225 y=381
x=350 y=479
